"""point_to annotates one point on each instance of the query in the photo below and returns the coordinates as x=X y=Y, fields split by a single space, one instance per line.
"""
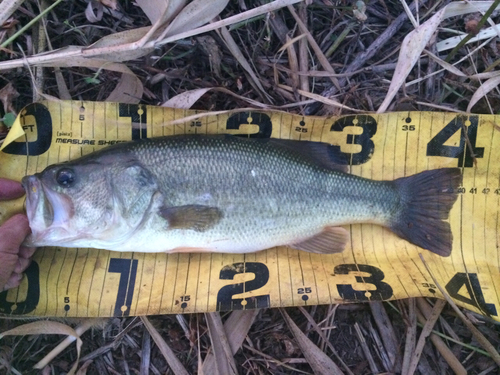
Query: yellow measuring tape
x=376 y=264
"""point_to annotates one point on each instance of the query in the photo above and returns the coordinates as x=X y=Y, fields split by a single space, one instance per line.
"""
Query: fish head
x=85 y=204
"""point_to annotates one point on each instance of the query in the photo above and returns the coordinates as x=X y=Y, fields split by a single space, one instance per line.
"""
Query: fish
x=229 y=194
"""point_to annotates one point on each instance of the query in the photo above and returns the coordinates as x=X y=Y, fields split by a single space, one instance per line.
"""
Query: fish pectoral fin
x=196 y=217
x=329 y=240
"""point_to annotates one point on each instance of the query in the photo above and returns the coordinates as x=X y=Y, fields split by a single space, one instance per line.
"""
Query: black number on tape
x=43 y=124
x=138 y=117
x=471 y=283
x=225 y=300
x=466 y=151
x=127 y=268
x=364 y=139
x=251 y=118
x=32 y=296
x=383 y=290
x=304 y=290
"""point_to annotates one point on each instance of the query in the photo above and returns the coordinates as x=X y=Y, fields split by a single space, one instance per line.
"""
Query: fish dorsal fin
x=320 y=153
x=329 y=240
x=196 y=217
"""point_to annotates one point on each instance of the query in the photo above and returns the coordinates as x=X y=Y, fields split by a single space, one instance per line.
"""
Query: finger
x=14 y=281
x=8 y=263
x=13 y=232
x=22 y=264
x=26 y=252
x=10 y=189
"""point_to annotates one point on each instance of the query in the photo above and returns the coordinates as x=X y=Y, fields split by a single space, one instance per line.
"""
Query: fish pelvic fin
x=329 y=240
x=195 y=217
x=426 y=201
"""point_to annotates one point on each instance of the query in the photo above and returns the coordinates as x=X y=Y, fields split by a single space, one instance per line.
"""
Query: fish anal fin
x=196 y=217
x=330 y=240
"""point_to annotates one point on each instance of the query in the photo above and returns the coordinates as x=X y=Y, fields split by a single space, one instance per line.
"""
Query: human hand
x=14 y=258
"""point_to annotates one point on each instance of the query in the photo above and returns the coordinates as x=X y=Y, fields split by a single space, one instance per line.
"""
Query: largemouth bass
x=230 y=194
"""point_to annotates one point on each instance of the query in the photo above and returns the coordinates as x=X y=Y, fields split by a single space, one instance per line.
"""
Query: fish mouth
x=48 y=212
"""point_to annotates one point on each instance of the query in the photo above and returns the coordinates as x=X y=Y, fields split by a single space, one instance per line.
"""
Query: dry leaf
x=449 y=43
x=7 y=94
x=482 y=90
x=415 y=42
x=94 y=11
x=211 y=48
x=186 y=99
x=110 y=4
x=411 y=48
x=128 y=90
x=195 y=14
x=155 y=8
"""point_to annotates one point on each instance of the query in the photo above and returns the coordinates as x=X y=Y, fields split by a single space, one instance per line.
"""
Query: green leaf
x=9 y=119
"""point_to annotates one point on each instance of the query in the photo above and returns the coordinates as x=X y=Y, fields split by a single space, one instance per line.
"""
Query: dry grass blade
x=224 y=360
x=236 y=328
x=317 y=359
x=7 y=7
x=293 y=61
x=120 y=46
x=366 y=350
x=440 y=345
x=326 y=341
x=317 y=50
x=172 y=360
x=475 y=332
x=145 y=353
x=446 y=65
x=411 y=335
x=319 y=98
x=386 y=330
x=80 y=330
x=303 y=53
x=238 y=55
x=47 y=328
x=426 y=331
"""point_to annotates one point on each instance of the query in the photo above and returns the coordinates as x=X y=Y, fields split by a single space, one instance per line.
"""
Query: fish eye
x=65 y=177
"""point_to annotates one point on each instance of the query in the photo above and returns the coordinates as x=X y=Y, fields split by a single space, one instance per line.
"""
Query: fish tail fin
x=427 y=199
